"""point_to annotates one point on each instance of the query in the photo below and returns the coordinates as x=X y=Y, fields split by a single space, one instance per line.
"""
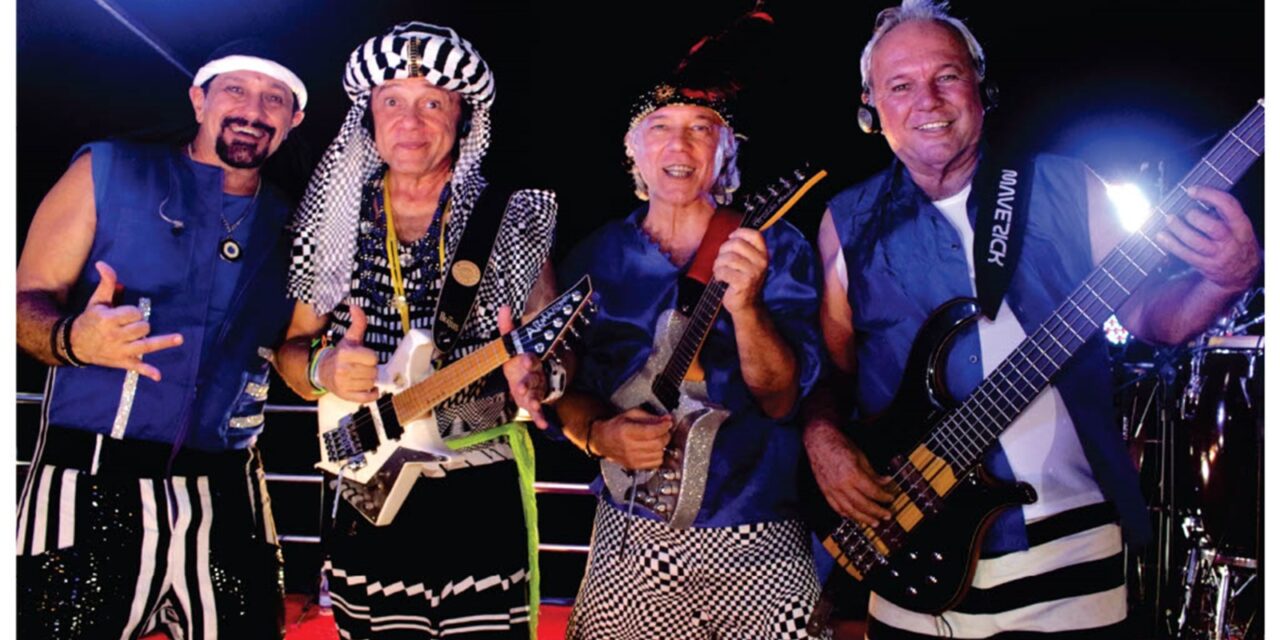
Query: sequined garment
x=114 y=555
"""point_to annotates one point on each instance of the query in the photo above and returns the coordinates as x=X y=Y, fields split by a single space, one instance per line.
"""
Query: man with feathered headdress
x=738 y=564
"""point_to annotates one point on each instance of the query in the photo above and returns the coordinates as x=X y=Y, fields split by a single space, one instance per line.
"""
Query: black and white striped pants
x=1069 y=585
x=454 y=562
x=111 y=547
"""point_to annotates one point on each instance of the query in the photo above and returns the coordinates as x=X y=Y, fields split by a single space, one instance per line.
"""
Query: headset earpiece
x=989 y=93
x=868 y=119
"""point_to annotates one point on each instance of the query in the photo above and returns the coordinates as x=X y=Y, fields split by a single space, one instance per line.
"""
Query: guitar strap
x=1003 y=192
x=458 y=295
x=698 y=276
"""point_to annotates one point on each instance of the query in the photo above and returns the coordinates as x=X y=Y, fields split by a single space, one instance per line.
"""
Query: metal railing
x=554 y=488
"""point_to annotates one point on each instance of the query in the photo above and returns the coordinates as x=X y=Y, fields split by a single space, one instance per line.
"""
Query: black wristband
x=591 y=425
x=66 y=342
x=55 y=332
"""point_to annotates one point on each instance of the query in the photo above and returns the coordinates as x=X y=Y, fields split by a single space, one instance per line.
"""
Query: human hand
x=111 y=336
x=525 y=378
x=845 y=475
x=635 y=438
x=349 y=369
x=1222 y=247
x=741 y=264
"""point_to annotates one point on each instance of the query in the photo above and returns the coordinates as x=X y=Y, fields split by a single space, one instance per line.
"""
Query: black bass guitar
x=924 y=556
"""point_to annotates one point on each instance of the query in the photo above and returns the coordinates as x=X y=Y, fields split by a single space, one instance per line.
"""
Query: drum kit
x=1193 y=419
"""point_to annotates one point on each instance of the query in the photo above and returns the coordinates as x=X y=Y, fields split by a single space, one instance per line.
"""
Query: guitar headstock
x=767 y=205
x=541 y=335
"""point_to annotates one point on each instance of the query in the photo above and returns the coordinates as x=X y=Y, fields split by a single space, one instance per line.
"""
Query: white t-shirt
x=1042 y=445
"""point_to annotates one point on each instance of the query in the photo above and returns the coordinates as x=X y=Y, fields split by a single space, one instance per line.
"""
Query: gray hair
x=911 y=10
x=727 y=180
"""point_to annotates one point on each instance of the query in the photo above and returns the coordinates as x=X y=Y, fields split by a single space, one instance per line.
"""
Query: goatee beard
x=243 y=155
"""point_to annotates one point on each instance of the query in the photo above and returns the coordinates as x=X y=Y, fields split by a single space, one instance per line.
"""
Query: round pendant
x=229 y=250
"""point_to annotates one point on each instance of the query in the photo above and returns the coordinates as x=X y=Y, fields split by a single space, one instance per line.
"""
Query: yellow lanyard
x=400 y=301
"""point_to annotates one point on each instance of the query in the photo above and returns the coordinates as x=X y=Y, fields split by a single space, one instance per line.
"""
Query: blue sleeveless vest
x=905 y=259
x=213 y=387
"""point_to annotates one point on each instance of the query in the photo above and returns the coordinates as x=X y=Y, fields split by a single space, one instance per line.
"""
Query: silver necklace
x=229 y=249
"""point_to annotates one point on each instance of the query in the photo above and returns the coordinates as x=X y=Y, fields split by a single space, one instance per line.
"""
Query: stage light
x=1131 y=204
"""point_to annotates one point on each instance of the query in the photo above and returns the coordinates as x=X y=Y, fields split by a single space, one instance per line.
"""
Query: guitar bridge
x=345 y=441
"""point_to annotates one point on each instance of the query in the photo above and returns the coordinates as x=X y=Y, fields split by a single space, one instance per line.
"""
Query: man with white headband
x=153 y=281
x=382 y=244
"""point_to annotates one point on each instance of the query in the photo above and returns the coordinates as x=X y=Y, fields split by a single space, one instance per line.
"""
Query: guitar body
x=930 y=570
x=674 y=491
x=376 y=482
x=379 y=449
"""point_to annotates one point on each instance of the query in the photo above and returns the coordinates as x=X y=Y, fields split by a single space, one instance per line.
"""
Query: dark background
x=1114 y=83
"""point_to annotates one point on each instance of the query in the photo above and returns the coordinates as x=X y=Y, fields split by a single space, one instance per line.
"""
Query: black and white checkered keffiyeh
x=325 y=226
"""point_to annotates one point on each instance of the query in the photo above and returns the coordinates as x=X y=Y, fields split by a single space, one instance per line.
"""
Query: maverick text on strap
x=469 y=263
x=1003 y=192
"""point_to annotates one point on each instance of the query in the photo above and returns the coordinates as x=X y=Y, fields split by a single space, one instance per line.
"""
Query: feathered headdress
x=713 y=72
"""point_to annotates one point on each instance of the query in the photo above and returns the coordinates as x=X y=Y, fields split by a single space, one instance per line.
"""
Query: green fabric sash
x=522 y=447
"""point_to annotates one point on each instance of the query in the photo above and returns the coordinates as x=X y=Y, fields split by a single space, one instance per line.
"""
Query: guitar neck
x=965 y=433
x=666 y=386
x=424 y=396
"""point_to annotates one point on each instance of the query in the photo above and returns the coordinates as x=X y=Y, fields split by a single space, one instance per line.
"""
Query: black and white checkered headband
x=327 y=221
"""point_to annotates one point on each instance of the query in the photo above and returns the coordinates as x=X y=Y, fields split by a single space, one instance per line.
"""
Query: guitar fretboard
x=965 y=434
x=417 y=400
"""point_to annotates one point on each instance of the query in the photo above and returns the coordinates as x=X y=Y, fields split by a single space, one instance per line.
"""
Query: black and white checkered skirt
x=647 y=580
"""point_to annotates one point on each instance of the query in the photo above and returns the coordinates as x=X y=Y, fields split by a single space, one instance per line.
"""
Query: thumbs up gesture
x=349 y=369
x=111 y=336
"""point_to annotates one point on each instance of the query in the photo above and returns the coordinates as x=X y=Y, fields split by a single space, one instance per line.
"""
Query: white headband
x=253 y=63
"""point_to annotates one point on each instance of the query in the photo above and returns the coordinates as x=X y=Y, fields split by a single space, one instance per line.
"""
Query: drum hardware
x=1192 y=418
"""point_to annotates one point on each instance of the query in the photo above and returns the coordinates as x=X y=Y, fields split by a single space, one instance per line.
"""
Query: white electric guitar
x=380 y=448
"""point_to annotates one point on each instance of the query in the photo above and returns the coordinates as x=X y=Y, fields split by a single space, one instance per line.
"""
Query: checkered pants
x=646 y=580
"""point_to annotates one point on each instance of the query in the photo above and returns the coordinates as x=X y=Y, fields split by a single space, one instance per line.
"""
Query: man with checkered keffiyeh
x=374 y=243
